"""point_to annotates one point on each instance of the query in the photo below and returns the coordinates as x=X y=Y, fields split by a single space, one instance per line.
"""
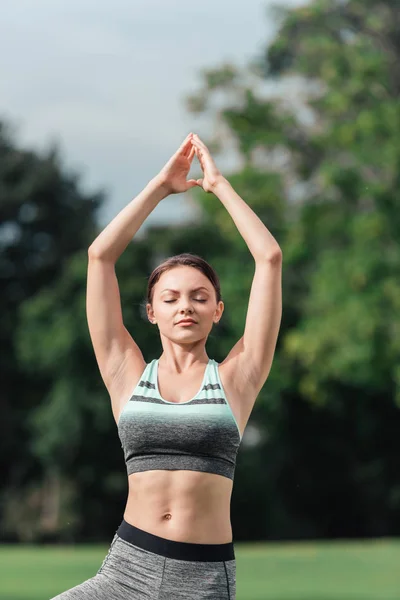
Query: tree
x=320 y=453
x=338 y=352
x=45 y=219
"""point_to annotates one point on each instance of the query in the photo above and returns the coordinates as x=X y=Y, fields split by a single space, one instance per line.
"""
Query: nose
x=186 y=310
x=185 y=307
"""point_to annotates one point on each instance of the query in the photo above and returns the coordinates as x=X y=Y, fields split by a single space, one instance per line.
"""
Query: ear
x=150 y=313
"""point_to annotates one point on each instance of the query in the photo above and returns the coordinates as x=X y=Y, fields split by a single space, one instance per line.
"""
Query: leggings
x=143 y=566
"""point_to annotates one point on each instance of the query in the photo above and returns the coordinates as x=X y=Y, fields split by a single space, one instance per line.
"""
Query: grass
x=368 y=570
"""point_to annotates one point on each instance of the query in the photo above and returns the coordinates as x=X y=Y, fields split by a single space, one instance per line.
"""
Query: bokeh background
x=299 y=103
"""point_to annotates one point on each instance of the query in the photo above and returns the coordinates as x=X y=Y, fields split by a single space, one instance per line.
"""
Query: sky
x=107 y=81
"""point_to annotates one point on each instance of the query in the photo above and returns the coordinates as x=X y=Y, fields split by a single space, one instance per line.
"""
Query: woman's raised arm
x=113 y=240
x=113 y=345
x=252 y=355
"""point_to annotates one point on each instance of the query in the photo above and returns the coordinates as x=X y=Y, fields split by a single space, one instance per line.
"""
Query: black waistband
x=172 y=549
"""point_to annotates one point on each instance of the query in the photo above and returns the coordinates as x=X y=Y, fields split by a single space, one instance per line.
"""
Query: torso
x=188 y=506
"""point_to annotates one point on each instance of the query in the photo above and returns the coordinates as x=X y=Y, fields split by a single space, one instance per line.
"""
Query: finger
x=198 y=150
x=192 y=153
x=189 y=135
x=200 y=159
x=201 y=149
x=191 y=183
x=187 y=150
x=185 y=143
x=197 y=140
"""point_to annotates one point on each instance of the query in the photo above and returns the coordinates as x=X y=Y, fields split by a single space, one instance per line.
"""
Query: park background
x=299 y=103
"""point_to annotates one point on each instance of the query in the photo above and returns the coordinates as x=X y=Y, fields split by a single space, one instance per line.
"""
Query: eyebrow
x=194 y=290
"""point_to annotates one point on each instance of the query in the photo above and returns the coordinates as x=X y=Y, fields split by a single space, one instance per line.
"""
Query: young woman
x=181 y=417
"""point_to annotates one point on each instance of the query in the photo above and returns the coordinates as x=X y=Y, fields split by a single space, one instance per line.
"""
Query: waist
x=174 y=549
x=183 y=505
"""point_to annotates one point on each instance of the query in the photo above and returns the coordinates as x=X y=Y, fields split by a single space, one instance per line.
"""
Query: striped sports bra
x=198 y=435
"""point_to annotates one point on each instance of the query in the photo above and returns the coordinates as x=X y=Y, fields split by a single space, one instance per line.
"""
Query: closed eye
x=168 y=301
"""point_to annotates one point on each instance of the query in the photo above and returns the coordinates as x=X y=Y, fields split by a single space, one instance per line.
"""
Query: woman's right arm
x=119 y=358
x=112 y=241
x=114 y=348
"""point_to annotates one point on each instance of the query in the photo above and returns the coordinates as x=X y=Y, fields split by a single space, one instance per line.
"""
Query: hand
x=212 y=175
x=173 y=176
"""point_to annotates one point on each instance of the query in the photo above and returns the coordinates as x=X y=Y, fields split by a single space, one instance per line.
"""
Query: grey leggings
x=143 y=566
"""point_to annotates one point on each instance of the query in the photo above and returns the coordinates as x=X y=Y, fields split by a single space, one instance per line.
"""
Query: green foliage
x=320 y=453
x=336 y=365
x=45 y=219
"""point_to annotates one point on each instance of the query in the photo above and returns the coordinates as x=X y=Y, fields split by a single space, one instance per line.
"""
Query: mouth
x=187 y=322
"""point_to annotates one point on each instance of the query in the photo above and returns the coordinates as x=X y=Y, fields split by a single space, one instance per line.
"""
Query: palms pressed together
x=174 y=174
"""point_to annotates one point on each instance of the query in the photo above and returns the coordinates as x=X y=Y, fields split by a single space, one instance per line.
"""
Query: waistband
x=171 y=548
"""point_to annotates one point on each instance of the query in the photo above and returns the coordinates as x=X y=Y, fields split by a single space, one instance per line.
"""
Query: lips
x=186 y=321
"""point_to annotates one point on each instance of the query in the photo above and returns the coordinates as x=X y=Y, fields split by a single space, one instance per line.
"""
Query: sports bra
x=198 y=435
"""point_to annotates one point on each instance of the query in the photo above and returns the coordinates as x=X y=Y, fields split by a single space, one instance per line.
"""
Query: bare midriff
x=184 y=506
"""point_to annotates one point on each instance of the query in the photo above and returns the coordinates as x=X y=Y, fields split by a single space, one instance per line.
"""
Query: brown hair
x=186 y=259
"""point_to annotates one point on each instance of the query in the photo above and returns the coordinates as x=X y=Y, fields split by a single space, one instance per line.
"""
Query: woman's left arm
x=254 y=352
x=261 y=243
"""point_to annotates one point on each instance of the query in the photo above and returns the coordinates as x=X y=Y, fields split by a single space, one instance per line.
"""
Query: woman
x=181 y=417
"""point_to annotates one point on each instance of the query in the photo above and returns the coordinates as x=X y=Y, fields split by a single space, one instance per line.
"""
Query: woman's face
x=184 y=292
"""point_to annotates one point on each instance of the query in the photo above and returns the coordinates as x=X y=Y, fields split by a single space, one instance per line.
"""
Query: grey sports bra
x=198 y=435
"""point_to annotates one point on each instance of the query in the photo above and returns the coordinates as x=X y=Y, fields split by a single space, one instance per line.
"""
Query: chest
x=181 y=389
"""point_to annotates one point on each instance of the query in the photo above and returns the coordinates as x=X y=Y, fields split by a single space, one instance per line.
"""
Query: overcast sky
x=108 y=80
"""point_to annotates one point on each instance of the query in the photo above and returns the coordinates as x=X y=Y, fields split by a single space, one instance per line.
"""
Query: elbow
x=94 y=252
x=275 y=257
x=91 y=252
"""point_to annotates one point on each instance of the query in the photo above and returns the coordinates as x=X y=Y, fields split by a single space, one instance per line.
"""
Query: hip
x=172 y=569
x=141 y=565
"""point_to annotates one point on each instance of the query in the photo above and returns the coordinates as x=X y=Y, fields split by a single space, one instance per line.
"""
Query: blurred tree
x=44 y=219
x=319 y=165
x=346 y=340
x=330 y=408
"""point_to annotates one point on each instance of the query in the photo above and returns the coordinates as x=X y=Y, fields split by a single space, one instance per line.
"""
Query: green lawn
x=276 y=571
